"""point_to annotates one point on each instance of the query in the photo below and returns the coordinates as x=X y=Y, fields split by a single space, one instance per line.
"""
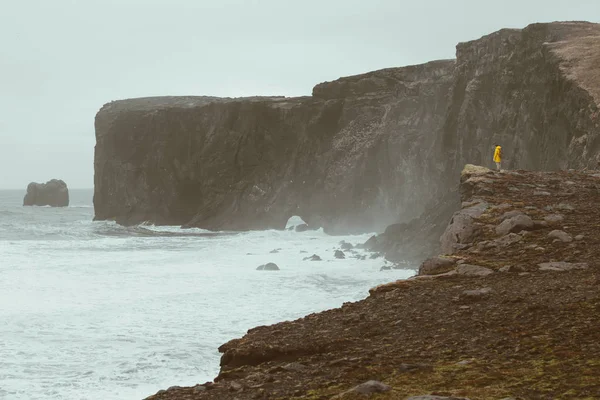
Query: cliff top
x=511 y=313
x=575 y=43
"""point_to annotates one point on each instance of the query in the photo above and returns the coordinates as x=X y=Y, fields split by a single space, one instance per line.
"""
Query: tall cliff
x=362 y=151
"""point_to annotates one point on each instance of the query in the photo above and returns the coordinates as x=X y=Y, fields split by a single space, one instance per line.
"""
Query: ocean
x=94 y=310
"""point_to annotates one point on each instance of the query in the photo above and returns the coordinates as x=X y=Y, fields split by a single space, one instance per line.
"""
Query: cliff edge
x=361 y=151
x=509 y=311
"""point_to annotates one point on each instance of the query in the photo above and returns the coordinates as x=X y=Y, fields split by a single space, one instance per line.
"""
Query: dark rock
x=314 y=257
x=346 y=246
x=386 y=268
x=52 y=193
x=375 y=255
x=275 y=251
x=268 y=267
x=301 y=228
x=515 y=224
x=339 y=254
x=436 y=265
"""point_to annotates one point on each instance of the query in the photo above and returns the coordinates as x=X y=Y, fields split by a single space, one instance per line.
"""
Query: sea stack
x=53 y=193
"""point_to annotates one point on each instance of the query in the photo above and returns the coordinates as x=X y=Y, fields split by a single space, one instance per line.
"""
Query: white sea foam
x=94 y=310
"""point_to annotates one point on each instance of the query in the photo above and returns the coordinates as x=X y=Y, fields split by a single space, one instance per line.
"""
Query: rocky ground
x=511 y=310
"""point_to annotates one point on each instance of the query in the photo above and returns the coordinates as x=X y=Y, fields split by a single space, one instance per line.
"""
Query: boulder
x=560 y=235
x=314 y=257
x=339 y=254
x=268 y=267
x=461 y=230
x=436 y=265
x=346 y=246
x=473 y=270
x=52 y=193
x=515 y=224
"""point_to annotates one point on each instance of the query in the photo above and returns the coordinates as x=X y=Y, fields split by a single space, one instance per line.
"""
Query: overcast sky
x=61 y=60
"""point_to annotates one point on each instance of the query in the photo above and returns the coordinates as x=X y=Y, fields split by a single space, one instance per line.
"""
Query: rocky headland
x=361 y=151
x=509 y=307
x=53 y=193
x=509 y=310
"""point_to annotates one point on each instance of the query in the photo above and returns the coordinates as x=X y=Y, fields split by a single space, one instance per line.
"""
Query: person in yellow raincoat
x=498 y=157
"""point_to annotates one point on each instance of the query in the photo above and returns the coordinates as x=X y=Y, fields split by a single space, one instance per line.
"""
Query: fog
x=62 y=60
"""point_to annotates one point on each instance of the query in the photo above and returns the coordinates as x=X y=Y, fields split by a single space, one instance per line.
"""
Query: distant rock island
x=361 y=152
x=52 y=193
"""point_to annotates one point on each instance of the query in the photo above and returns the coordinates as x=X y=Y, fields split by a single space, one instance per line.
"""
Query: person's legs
x=498 y=166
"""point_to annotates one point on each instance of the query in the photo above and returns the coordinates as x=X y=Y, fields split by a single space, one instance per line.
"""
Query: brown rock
x=515 y=224
x=436 y=265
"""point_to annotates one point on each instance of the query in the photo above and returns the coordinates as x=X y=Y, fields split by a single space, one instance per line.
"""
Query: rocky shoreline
x=510 y=310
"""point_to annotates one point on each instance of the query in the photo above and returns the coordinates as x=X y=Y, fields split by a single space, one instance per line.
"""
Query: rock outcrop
x=362 y=150
x=52 y=193
x=491 y=322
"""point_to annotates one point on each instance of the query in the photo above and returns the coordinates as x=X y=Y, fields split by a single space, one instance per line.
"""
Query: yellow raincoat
x=498 y=154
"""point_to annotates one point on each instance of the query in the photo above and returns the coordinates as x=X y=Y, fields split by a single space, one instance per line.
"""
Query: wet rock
x=301 y=228
x=53 y=193
x=346 y=246
x=473 y=270
x=436 y=265
x=314 y=257
x=515 y=224
x=554 y=218
x=339 y=254
x=561 y=266
x=268 y=267
x=274 y=251
x=385 y=268
x=560 y=235
x=375 y=255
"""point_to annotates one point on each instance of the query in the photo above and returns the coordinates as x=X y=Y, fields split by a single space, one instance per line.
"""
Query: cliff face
x=363 y=151
x=534 y=91
x=356 y=154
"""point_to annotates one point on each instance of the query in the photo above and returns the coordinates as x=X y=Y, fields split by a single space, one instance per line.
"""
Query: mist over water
x=93 y=310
